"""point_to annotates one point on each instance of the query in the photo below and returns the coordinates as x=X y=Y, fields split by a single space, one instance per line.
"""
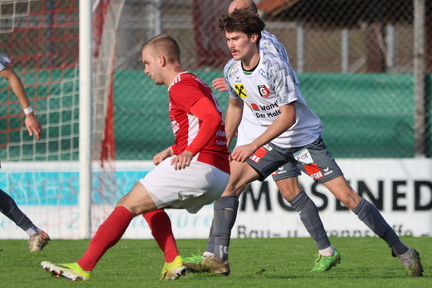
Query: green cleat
x=71 y=271
x=173 y=270
x=194 y=263
x=325 y=263
x=193 y=259
x=411 y=262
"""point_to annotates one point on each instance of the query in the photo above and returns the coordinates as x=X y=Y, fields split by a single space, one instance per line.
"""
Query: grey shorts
x=313 y=159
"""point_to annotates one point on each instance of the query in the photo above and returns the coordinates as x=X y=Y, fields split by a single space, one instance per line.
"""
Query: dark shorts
x=313 y=159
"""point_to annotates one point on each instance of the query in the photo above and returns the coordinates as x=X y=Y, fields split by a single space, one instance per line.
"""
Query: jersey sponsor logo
x=240 y=90
x=313 y=171
x=221 y=133
x=258 y=155
x=254 y=107
x=303 y=156
x=267 y=147
x=264 y=91
x=263 y=73
x=234 y=71
x=327 y=171
x=279 y=171
x=269 y=107
x=175 y=127
x=270 y=114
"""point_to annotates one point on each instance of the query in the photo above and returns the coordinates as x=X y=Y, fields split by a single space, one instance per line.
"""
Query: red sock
x=107 y=235
x=160 y=225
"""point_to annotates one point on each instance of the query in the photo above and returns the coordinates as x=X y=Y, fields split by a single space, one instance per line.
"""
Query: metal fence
x=364 y=68
x=356 y=61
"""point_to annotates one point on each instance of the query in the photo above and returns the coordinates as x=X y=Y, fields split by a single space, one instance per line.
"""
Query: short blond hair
x=165 y=45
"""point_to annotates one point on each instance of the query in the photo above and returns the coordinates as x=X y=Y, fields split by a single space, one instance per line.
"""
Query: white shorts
x=191 y=188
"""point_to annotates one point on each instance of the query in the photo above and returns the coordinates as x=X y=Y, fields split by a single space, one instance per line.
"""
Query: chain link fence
x=360 y=63
x=355 y=61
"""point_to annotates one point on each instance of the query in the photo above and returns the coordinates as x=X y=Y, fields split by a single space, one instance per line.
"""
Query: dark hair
x=166 y=45
x=242 y=20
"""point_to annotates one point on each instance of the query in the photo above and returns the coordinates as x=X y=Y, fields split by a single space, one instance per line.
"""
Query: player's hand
x=182 y=160
x=158 y=158
x=220 y=84
x=242 y=153
x=33 y=125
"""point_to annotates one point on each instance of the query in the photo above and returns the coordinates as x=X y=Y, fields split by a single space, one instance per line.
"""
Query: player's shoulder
x=271 y=43
x=271 y=57
x=185 y=77
x=269 y=39
x=231 y=67
x=188 y=79
x=265 y=35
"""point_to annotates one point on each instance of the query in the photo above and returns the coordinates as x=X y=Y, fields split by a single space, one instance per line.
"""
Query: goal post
x=85 y=125
x=63 y=51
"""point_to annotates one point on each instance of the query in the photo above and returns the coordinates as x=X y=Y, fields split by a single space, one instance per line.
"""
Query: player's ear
x=162 y=60
x=254 y=38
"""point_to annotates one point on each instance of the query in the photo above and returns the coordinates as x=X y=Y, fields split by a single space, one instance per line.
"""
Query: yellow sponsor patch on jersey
x=240 y=90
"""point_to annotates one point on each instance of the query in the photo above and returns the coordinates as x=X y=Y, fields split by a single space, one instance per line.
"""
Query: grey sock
x=370 y=215
x=211 y=240
x=311 y=219
x=225 y=214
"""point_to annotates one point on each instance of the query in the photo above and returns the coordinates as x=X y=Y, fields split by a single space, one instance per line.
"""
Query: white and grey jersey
x=270 y=42
x=249 y=129
x=4 y=61
x=273 y=83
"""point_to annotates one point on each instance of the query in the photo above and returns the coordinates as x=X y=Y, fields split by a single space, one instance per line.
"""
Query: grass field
x=279 y=262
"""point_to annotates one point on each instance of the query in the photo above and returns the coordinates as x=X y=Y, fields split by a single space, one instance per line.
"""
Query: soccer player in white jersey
x=37 y=237
x=292 y=134
x=247 y=131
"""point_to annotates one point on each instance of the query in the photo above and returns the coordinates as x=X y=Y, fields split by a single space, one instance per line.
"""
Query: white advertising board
x=400 y=188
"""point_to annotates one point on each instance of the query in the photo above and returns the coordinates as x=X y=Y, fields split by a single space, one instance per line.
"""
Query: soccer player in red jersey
x=188 y=175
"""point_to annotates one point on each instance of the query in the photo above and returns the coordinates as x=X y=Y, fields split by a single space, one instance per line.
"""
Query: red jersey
x=196 y=121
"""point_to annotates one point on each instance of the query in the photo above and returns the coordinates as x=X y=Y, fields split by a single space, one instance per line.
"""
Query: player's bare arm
x=233 y=116
x=284 y=121
x=32 y=123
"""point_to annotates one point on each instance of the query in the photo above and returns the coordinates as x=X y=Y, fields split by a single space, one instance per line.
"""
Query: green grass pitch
x=270 y=263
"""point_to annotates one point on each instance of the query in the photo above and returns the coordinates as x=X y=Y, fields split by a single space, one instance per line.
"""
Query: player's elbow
x=212 y=118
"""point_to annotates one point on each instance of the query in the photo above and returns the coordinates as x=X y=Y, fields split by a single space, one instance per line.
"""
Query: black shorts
x=314 y=160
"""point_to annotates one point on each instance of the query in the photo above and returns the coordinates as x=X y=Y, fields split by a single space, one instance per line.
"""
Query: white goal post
x=85 y=113
x=64 y=52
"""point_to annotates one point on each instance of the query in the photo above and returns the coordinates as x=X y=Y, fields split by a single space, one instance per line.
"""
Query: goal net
x=41 y=37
